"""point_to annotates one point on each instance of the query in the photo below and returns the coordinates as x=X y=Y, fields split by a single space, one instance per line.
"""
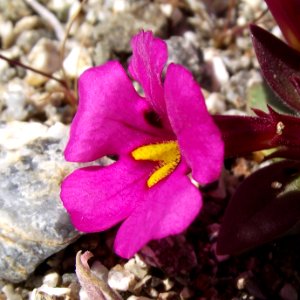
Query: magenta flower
x=159 y=139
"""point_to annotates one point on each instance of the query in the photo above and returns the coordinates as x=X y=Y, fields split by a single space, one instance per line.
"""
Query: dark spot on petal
x=153 y=119
x=113 y=157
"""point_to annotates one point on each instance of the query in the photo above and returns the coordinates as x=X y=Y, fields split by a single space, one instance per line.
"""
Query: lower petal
x=97 y=198
x=169 y=208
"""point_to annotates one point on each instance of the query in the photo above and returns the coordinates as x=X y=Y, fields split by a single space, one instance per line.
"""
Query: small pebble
x=137 y=267
x=51 y=279
x=77 y=62
x=120 y=279
x=26 y=23
x=168 y=284
x=241 y=283
x=6 y=34
x=215 y=103
x=10 y=293
x=44 y=56
x=168 y=296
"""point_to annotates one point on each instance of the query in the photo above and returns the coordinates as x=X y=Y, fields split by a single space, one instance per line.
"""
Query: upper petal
x=168 y=208
x=110 y=117
x=99 y=197
x=199 y=138
x=150 y=54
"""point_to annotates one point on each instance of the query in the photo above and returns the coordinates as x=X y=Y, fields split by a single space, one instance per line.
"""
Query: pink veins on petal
x=159 y=139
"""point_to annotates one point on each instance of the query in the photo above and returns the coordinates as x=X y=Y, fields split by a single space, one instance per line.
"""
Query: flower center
x=167 y=155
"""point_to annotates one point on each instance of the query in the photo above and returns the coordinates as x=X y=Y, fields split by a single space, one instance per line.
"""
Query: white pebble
x=119 y=6
x=220 y=70
x=120 y=280
x=77 y=62
x=17 y=134
x=215 y=103
x=57 y=131
x=6 y=34
x=44 y=56
x=51 y=280
x=167 y=9
x=137 y=267
x=10 y=293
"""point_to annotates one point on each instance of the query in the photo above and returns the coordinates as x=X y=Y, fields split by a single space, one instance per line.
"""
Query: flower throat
x=167 y=155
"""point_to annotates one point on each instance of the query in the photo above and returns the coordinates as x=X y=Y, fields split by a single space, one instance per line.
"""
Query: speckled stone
x=115 y=29
x=33 y=222
x=185 y=51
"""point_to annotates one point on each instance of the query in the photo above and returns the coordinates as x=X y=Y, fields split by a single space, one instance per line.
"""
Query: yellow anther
x=167 y=154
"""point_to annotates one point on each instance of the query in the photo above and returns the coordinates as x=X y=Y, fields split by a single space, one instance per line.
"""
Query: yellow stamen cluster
x=167 y=155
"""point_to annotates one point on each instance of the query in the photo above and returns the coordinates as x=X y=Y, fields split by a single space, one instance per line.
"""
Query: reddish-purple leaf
x=280 y=65
x=264 y=207
x=243 y=134
x=287 y=14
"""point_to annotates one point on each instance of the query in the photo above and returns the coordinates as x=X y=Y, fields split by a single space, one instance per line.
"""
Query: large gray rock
x=33 y=222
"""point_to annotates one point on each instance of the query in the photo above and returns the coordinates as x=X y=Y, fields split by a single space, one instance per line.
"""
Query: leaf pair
x=267 y=204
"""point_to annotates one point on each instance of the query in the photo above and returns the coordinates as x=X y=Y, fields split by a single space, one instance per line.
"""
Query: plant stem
x=63 y=83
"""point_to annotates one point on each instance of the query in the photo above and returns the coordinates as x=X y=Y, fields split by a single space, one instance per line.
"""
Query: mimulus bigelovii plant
x=159 y=139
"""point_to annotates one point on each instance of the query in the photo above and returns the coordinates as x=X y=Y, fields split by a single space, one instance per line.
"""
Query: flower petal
x=168 y=208
x=150 y=54
x=199 y=138
x=99 y=197
x=110 y=117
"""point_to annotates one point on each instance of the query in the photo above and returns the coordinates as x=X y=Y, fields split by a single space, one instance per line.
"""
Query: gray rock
x=234 y=90
x=33 y=222
x=185 y=51
x=115 y=30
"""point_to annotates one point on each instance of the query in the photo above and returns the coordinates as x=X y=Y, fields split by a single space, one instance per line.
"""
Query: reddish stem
x=63 y=83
